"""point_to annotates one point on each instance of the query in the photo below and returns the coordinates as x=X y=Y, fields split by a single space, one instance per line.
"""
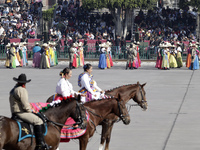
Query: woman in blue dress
x=102 y=58
x=36 y=55
x=194 y=58
x=24 y=54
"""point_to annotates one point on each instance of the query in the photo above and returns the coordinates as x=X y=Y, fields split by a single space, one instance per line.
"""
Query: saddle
x=26 y=130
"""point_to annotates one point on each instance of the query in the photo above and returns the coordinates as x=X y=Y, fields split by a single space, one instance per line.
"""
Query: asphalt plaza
x=172 y=121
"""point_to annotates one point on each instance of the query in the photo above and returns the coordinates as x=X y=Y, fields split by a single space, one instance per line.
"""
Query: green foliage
x=183 y=4
x=48 y=14
x=125 y=4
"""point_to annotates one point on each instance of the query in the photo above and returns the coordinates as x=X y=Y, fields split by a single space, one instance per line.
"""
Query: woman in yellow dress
x=51 y=54
x=172 y=59
x=81 y=56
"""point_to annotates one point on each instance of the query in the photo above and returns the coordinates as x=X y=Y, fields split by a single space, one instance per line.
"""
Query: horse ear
x=143 y=85
x=119 y=97
x=138 y=82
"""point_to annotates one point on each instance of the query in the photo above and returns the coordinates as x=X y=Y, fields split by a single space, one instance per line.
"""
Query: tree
x=120 y=9
x=195 y=4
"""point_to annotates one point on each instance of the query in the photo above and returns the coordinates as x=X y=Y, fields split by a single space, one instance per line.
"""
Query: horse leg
x=108 y=137
x=105 y=127
x=83 y=141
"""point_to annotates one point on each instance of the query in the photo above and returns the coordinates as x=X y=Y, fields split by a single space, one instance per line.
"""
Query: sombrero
x=21 y=79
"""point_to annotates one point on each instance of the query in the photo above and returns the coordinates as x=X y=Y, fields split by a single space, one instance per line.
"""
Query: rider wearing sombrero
x=20 y=107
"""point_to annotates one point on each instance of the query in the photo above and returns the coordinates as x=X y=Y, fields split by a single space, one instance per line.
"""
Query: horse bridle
x=122 y=117
x=143 y=101
x=80 y=118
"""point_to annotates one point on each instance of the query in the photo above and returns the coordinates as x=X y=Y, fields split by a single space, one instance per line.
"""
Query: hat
x=178 y=43
x=21 y=79
x=54 y=43
x=80 y=44
x=45 y=45
x=21 y=44
x=169 y=45
x=192 y=44
x=74 y=44
x=37 y=43
x=109 y=43
x=161 y=45
x=102 y=45
x=8 y=45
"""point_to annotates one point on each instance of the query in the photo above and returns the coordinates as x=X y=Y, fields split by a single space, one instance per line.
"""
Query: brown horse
x=127 y=92
x=98 y=110
x=55 y=117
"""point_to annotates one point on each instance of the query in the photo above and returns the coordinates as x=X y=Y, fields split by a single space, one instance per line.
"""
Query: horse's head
x=79 y=115
x=123 y=112
x=140 y=96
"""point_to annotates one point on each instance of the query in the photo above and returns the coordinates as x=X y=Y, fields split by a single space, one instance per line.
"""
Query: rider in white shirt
x=64 y=88
x=88 y=85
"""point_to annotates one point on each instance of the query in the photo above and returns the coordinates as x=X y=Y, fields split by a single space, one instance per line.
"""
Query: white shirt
x=85 y=82
x=1 y=30
x=65 y=88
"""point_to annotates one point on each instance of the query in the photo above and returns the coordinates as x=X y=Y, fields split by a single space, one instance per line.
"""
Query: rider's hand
x=101 y=92
x=84 y=95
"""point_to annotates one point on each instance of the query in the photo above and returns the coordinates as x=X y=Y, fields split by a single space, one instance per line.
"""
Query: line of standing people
x=45 y=56
x=169 y=56
x=16 y=55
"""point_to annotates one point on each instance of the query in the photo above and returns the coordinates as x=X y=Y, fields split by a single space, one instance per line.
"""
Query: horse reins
x=63 y=125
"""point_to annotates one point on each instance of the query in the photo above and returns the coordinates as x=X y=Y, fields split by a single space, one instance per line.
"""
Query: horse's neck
x=101 y=108
x=61 y=113
x=126 y=92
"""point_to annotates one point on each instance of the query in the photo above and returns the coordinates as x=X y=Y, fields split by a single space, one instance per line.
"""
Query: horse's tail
x=50 y=99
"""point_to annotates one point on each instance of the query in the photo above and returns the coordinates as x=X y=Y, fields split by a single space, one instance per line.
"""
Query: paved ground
x=172 y=121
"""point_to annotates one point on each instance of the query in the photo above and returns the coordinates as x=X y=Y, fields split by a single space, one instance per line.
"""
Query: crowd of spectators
x=19 y=20
x=73 y=20
x=157 y=25
x=165 y=24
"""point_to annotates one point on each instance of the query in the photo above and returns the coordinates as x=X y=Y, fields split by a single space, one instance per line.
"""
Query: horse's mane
x=54 y=104
x=94 y=100
x=120 y=87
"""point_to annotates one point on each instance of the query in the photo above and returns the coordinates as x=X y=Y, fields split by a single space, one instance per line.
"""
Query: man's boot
x=39 y=137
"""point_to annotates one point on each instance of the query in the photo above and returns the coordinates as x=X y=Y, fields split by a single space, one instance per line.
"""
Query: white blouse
x=65 y=88
x=85 y=83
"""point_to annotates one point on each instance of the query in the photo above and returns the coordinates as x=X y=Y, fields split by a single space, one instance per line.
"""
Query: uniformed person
x=72 y=51
x=131 y=54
